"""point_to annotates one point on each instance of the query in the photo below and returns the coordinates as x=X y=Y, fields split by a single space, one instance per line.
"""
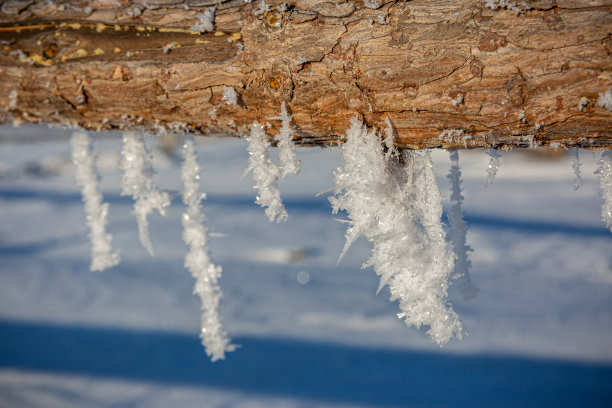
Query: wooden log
x=487 y=77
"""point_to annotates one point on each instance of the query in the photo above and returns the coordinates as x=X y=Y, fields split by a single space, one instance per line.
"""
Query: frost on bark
x=506 y=73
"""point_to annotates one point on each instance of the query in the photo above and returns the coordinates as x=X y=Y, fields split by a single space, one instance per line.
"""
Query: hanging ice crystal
x=137 y=182
x=494 y=160
x=288 y=162
x=458 y=230
x=102 y=254
x=574 y=155
x=604 y=171
x=198 y=262
x=265 y=174
x=394 y=201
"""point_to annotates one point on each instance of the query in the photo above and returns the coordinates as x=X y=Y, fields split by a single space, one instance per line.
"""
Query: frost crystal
x=207 y=20
x=393 y=200
x=284 y=140
x=230 y=96
x=262 y=8
x=198 y=262
x=604 y=171
x=518 y=8
x=458 y=230
x=102 y=255
x=136 y=182
x=605 y=100
x=12 y=100
x=372 y=4
x=494 y=159
x=265 y=174
x=574 y=155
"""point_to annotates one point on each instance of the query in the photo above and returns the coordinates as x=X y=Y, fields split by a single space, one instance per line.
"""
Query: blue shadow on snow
x=291 y=368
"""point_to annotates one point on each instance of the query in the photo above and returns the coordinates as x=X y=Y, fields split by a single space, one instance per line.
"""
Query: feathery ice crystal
x=102 y=254
x=458 y=230
x=265 y=174
x=198 y=262
x=137 y=182
x=393 y=200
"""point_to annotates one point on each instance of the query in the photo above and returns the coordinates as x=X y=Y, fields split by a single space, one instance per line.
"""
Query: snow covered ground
x=312 y=334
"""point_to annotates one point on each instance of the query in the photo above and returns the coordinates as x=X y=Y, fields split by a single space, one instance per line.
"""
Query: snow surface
x=102 y=254
x=265 y=174
x=137 y=182
x=397 y=206
x=540 y=329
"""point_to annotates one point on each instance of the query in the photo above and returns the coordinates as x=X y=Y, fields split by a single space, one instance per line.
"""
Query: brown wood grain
x=429 y=66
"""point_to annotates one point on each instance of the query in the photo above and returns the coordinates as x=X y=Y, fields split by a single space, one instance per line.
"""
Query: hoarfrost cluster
x=494 y=161
x=207 y=20
x=214 y=338
x=458 y=230
x=137 y=182
x=265 y=174
x=102 y=254
x=230 y=96
x=393 y=200
x=604 y=171
x=517 y=7
x=605 y=100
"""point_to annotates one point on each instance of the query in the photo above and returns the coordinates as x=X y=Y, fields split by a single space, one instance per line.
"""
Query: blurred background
x=312 y=333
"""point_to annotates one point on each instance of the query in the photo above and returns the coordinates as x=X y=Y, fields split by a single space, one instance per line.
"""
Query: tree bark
x=490 y=78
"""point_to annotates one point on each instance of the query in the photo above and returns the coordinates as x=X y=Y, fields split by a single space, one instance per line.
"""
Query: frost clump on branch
x=198 y=262
x=393 y=200
x=207 y=20
x=284 y=140
x=458 y=230
x=102 y=254
x=518 y=8
x=605 y=100
x=604 y=171
x=137 y=182
x=372 y=4
x=230 y=96
x=265 y=174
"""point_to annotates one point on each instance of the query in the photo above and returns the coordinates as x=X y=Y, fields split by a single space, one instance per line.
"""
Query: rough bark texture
x=429 y=66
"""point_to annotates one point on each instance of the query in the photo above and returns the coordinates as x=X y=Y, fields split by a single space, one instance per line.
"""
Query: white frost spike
x=604 y=170
x=494 y=159
x=102 y=255
x=265 y=174
x=136 y=182
x=198 y=262
x=458 y=230
x=288 y=162
x=395 y=203
x=574 y=155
